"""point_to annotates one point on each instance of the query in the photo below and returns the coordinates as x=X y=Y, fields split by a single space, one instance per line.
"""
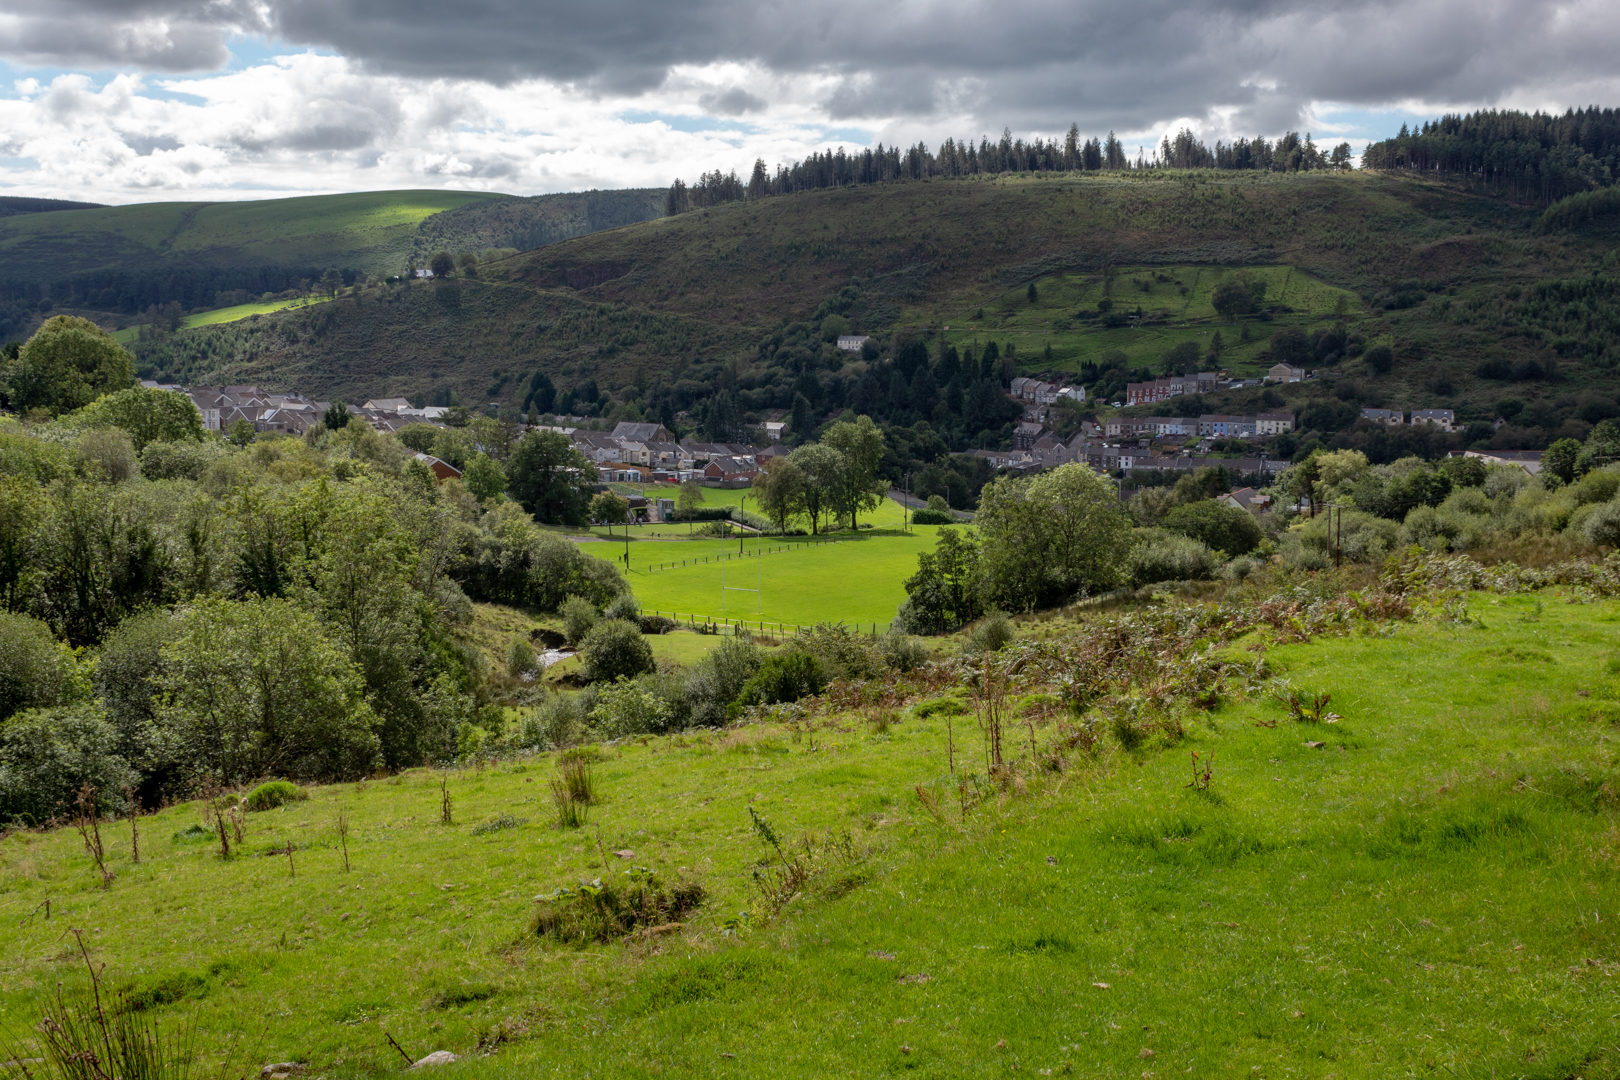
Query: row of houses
x=223 y=407
x=1444 y=419
x=1044 y=393
x=649 y=452
x=1145 y=393
x=1050 y=453
x=1218 y=425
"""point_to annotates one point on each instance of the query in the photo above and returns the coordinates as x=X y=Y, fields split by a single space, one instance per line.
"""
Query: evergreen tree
x=802 y=424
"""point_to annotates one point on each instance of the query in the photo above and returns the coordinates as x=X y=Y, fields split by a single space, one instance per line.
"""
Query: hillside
x=1464 y=287
x=110 y=263
x=1425 y=886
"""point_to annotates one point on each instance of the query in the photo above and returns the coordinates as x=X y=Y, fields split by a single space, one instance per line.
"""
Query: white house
x=853 y=342
x=1444 y=419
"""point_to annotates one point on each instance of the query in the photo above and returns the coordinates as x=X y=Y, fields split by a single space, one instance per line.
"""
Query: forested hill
x=1534 y=156
x=1478 y=310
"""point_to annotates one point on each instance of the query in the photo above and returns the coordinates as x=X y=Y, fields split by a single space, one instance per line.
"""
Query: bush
x=629 y=708
x=579 y=617
x=990 y=634
x=785 y=677
x=105 y=454
x=624 y=606
x=1217 y=526
x=273 y=793
x=35 y=669
x=937 y=502
x=1167 y=556
x=47 y=755
x=901 y=652
x=931 y=517
x=1603 y=525
x=715 y=681
x=557 y=724
x=180 y=460
x=615 y=649
x=520 y=656
x=1366 y=539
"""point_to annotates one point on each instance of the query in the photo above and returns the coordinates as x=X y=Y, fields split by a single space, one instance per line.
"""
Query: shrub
x=1365 y=539
x=785 y=677
x=624 y=606
x=1602 y=526
x=35 y=669
x=990 y=634
x=629 y=708
x=180 y=460
x=1216 y=526
x=714 y=682
x=656 y=624
x=579 y=616
x=520 y=656
x=48 y=755
x=901 y=652
x=604 y=910
x=105 y=454
x=931 y=517
x=1167 y=556
x=274 y=793
x=559 y=722
x=937 y=502
x=615 y=649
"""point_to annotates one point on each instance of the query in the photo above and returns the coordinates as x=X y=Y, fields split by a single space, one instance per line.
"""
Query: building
x=1274 y=423
x=853 y=342
x=392 y=404
x=1025 y=435
x=1444 y=419
x=442 y=470
x=642 y=432
x=1528 y=460
x=1387 y=417
x=1285 y=373
x=1165 y=389
x=1246 y=498
x=729 y=472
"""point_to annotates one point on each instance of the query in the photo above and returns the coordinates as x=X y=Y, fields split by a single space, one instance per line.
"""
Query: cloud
x=536 y=95
x=732 y=102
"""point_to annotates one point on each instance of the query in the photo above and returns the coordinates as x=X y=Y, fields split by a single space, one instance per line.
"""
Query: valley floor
x=1428 y=886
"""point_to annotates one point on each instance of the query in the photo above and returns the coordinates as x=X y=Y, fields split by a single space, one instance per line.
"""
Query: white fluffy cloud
x=119 y=100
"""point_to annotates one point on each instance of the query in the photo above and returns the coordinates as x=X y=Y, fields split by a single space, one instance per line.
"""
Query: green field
x=226 y=315
x=1175 y=302
x=854 y=580
x=1430 y=886
x=857 y=580
x=370 y=231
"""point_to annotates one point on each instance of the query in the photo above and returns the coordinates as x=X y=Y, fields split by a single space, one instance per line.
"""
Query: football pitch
x=856 y=580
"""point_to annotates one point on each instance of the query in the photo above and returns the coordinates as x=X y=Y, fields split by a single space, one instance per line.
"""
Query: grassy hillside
x=370 y=231
x=1427 y=886
x=1458 y=282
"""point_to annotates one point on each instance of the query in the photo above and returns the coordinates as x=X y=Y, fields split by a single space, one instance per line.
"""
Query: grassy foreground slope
x=1428 y=886
x=1439 y=271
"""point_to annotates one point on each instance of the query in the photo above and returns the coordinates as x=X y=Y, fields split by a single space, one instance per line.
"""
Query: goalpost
x=757 y=590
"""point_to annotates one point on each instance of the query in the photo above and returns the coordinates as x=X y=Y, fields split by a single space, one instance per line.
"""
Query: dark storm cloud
x=1039 y=63
x=152 y=35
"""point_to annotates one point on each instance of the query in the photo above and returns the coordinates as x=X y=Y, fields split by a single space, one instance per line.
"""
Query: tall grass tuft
x=97 y=1039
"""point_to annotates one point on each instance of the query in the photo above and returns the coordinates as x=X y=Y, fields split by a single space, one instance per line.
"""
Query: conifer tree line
x=1523 y=155
x=882 y=165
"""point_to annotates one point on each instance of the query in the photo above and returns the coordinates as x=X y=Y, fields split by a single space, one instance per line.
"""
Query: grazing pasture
x=1427 y=886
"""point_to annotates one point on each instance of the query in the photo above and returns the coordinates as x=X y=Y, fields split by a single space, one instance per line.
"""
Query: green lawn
x=858 y=579
x=1427 y=888
x=1178 y=295
x=227 y=314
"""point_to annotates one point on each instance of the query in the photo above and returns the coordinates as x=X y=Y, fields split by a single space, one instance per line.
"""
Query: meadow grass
x=1178 y=294
x=233 y=313
x=1427 y=887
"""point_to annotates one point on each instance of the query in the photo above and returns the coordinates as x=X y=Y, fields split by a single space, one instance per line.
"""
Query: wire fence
x=721 y=623
x=729 y=557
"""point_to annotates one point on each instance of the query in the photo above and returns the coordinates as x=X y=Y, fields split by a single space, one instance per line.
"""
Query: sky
x=121 y=101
